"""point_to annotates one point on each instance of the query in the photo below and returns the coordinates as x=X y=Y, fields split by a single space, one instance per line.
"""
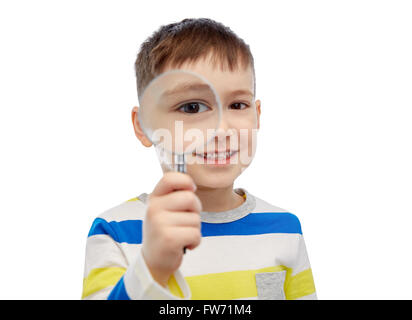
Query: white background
x=335 y=80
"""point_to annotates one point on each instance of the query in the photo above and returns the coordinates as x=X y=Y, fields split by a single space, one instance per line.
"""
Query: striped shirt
x=255 y=251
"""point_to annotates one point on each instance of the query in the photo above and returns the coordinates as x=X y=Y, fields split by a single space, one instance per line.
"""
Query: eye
x=193 y=107
x=238 y=106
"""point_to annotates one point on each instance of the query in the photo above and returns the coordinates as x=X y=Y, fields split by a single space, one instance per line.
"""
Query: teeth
x=220 y=155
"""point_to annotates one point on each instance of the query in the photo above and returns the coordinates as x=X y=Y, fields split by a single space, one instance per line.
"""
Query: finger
x=188 y=237
x=180 y=201
x=184 y=219
x=172 y=181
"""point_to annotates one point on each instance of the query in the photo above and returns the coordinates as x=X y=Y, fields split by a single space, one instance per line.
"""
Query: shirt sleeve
x=108 y=275
x=300 y=284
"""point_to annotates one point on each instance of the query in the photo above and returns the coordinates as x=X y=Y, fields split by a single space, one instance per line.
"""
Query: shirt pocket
x=270 y=285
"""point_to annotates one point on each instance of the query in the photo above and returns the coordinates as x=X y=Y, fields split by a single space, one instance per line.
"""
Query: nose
x=224 y=130
x=225 y=137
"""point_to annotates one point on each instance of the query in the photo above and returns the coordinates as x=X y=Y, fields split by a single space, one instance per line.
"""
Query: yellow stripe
x=174 y=287
x=217 y=286
x=100 y=278
x=133 y=199
x=228 y=285
x=242 y=284
x=300 y=285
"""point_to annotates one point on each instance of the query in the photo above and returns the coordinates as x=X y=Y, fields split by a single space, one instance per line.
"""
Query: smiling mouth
x=217 y=156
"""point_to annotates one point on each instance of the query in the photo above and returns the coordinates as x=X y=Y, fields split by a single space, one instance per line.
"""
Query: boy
x=239 y=246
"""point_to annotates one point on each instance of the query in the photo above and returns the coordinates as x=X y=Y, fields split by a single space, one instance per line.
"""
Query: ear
x=138 y=129
x=257 y=104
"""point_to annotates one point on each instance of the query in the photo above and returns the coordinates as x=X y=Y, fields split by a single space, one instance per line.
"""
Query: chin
x=214 y=178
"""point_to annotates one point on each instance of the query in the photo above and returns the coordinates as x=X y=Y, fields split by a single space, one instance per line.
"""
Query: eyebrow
x=186 y=87
x=240 y=92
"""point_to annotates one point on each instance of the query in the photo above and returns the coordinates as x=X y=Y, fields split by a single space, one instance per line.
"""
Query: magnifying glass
x=179 y=113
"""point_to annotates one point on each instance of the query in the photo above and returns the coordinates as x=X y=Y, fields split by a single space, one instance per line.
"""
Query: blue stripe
x=255 y=223
x=130 y=231
x=119 y=292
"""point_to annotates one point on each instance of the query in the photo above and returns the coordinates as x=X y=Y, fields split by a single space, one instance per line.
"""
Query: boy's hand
x=172 y=223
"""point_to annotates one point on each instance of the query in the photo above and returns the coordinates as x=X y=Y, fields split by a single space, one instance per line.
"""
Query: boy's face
x=237 y=130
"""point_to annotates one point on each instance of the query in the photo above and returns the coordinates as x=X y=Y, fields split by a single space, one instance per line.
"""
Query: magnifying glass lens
x=179 y=112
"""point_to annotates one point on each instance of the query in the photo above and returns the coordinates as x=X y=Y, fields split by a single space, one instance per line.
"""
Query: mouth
x=217 y=157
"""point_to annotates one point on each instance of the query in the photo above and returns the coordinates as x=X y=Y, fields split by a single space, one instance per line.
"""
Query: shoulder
x=264 y=206
x=132 y=209
x=272 y=215
x=123 y=222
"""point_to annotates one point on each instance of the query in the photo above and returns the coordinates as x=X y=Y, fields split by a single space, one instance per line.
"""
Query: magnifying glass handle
x=180 y=163
x=180 y=166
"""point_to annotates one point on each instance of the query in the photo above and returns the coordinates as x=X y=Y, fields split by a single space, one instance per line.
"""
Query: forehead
x=223 y=80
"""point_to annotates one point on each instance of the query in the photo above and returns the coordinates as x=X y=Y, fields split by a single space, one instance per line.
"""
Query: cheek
x=247 y=145
x=246 y=130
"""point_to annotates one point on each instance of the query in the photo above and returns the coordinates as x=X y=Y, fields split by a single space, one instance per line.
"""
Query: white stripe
x=129 y=210
x=263 y=206
x=102 y=252
x=230 y=253
x=227 y=253
x=302 y=259
x=130 y=250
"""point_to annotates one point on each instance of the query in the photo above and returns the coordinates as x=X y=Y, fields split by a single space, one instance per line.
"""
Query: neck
x=220 y=199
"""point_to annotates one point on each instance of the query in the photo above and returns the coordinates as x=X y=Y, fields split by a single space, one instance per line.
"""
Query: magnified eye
x=193 y=107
